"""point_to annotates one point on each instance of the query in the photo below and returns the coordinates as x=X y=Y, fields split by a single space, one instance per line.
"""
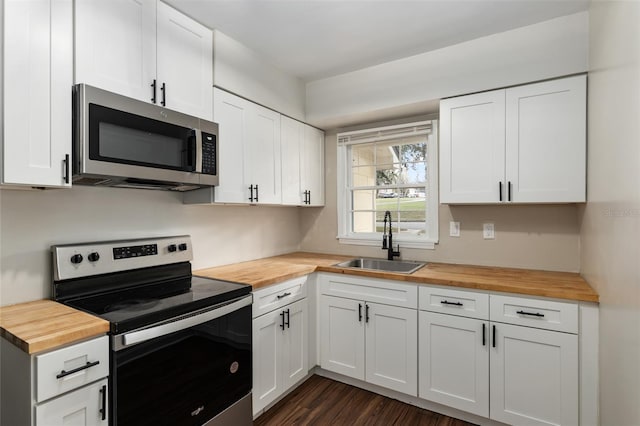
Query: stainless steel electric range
x=180 y=344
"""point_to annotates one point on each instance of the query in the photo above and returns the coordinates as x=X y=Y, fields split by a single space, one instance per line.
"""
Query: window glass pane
x=412 y=222
x=387 y=200
x=364 y=221
x=364 y=200
x=415 y=173
x=380 y=221
x=389 y=175
x=362 y=155
x=414 y=152
x=363 y=176
x=387 y=152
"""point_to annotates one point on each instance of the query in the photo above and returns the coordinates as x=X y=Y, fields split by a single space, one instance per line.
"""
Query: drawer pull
x=64 y=373
x=533 y=314
x=446 y=302
x=484 y=334
x=281 y=296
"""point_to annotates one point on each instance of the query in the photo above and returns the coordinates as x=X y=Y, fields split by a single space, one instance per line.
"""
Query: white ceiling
x=313 y=39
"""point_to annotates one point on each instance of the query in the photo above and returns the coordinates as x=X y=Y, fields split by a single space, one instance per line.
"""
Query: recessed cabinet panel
x=116 y=46
x=472 y=138
x=185 y=63
x=534 y=376
x=266 y=353
x=82 y=407
x=296 y=337
x=454 y=362
x=312 y=165
x=342 y=336
x=546 y=134
x=391 y=348
x=292 y=133
x=263 y=168
x=38 y=75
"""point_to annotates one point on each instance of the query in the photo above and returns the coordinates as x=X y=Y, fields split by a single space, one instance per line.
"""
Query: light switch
x=488 y=231
x=454 y=229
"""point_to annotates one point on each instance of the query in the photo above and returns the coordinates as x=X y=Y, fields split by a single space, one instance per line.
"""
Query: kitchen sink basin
x=399 y=266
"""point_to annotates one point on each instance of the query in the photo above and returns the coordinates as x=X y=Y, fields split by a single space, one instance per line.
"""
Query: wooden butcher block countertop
x=45 y=324
x=271 y=270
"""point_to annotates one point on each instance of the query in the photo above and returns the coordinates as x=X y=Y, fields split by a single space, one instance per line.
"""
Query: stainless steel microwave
x=123 y=142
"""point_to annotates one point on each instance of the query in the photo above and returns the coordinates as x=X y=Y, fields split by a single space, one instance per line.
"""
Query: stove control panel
x=88 y=259
x=136 y=251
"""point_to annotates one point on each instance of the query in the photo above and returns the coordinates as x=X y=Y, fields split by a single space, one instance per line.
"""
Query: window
x=390 y=168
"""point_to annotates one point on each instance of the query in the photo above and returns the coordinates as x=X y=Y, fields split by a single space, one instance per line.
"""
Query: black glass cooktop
x=131 y=308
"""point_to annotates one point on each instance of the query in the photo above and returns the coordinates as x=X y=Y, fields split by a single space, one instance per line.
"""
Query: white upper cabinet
x=312 y=166
x=185 y=63
x=146 y=50
x=472 y=148
x=262 y=157
x=546 y=141
x=302 y=163
x=37 y=73
x=116 y=46
x=525 y=144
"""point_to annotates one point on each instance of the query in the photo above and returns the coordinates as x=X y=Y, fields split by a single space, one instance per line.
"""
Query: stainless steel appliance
x=123 y=142
x=180 y=344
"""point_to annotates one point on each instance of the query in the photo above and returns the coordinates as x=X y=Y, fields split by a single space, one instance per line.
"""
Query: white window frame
x=345 y=236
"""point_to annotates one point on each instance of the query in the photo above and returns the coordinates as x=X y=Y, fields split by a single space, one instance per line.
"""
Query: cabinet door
x=38 y=75
x=262 y=161
x=546 y=141
x=267 y=350
x=291 y=138
x=534 y=376
x=472 y=138
x=392 y=347
x=342 y=336
x=454 y=362
x=312 y=165
x=296 y=359
x=231 y=112
x=115 y=46
x=82 y=407
x=185 y=63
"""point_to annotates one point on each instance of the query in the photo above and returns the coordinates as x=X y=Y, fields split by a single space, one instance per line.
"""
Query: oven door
x=188 y=376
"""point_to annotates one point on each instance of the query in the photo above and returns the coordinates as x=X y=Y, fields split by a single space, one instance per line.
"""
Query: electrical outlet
x=488 y=231
x=454 y=229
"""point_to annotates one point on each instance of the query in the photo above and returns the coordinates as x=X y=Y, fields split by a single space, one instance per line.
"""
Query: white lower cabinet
x=534 y=376
x=523 y=373
x=454 y=362
x=65 y=386
x=280 y=351
x=368 y=341
x=83 y=407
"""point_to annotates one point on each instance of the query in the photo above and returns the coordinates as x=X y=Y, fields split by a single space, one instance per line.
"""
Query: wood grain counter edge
x=264 y=272
x=44 y=324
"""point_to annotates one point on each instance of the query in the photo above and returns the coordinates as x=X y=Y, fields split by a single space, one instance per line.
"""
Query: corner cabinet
x=368 y=331
x=37 y=75
x=525 y=144
x=302 y=164
x=59 y=387
x=280 y=340
x=146 y=50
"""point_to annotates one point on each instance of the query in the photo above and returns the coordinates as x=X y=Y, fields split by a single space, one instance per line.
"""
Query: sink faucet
x=387 y=240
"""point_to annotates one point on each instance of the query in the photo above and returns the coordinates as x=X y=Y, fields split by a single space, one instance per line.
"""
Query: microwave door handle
x=197 y=152
x=191 y=152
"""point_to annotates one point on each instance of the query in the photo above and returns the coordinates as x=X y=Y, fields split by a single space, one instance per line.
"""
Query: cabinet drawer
x=86 y=406
x=54 y=370
x=544 y=314
x=454 y=302
x=275 y=296
x=385 y=292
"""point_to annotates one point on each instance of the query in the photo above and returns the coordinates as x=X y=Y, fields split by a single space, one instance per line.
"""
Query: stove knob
x=93 y=257
x=182 y=247
x=171 y=248
x=76 y=258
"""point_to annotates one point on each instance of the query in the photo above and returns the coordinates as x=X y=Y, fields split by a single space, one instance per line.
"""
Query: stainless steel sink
x=399 y=266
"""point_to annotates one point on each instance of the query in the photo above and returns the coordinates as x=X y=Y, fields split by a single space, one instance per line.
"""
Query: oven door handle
x=182 y=324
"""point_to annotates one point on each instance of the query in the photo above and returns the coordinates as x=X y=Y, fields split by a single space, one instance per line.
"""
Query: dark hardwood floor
x=321 y=401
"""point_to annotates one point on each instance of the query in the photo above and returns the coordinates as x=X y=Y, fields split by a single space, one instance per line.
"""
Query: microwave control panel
x=208 y=153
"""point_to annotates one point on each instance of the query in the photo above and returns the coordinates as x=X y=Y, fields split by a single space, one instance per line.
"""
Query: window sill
x=426 y=245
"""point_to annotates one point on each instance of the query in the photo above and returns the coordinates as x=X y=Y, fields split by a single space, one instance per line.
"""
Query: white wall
x=242 y=71
x=544 y=50
x=610 y=232
x=32 y=221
